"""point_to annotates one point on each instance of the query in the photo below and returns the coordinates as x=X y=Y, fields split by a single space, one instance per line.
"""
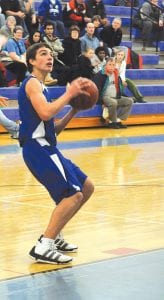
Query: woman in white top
x=126 y=82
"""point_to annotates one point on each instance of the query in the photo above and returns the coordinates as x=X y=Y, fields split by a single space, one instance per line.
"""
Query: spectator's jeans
x=11 y=126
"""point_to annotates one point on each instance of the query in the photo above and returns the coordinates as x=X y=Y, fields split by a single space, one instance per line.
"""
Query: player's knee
x=91 y=188
x=78 y=198
x=88 y=189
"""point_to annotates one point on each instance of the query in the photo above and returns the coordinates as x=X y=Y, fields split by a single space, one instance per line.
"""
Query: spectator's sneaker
x=114 y=125
x=64 y=246
x=47 y=253
x=121 y=125
x=15 y=135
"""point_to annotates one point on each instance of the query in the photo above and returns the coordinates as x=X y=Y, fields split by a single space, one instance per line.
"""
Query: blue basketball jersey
x=31 y=125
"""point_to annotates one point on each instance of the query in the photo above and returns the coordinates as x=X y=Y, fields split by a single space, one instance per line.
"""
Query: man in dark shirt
x=111 y=35
x=12 y=8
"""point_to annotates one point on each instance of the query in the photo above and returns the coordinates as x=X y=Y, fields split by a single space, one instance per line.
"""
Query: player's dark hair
x=31 y=53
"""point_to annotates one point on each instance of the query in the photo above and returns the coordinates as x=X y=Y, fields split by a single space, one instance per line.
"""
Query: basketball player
x=68 y=186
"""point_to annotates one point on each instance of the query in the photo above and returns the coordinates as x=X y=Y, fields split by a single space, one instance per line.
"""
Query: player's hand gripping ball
x=82 y=101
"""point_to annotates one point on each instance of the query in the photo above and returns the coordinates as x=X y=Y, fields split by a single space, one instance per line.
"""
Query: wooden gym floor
x=120 y=231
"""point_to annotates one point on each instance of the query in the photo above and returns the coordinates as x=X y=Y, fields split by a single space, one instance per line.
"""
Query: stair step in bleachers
x=126 y=43
x=149 y=90
x=161 y=45
x=150 y=59
x=148 y=113
x=140 y=74
x=118 y=10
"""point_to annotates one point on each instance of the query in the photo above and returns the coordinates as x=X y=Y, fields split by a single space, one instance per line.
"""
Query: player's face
x=43 y=60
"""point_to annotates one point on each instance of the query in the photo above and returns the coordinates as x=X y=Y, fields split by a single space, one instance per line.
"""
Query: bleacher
x=149 y=81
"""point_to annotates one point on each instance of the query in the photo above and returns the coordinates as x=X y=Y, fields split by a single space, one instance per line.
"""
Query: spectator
x=17 y=54
x=9 y=27
x=13 y=8
x=11 y=126
x=60 y=71
x=96 y=20
x=83 y=68
x=96 y=7
x=51 y=10
x=102 y=55
x=72 y=46
x=95 y=62
x=3 y=41
x=2 y=17
x=150 y=20
x=30 y=15
x=126 y=82
x=89 y=40
x=119 y=107
x=111 y=35
x=34 y=37
x=74 y=12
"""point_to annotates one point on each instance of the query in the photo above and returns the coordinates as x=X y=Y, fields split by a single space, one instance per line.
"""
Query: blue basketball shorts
x=59 y=175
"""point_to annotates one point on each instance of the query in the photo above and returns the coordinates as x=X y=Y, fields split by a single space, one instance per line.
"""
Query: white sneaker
x=47 y=253
x=105 y=113
x=64 y=246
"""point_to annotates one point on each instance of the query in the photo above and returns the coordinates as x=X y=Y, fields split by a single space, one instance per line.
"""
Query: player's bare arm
x=47 y=110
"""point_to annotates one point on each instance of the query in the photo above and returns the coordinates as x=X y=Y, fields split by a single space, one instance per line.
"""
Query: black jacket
x=72 y=50
x=94 y=8
x=111 y=37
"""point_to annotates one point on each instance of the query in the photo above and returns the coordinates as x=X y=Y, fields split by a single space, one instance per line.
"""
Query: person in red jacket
x=74 y=13
x=117 y=106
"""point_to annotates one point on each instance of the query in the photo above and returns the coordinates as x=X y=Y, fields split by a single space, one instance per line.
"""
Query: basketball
x=83 y=101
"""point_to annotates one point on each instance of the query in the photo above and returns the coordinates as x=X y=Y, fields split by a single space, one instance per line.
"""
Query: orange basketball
x=82 y=101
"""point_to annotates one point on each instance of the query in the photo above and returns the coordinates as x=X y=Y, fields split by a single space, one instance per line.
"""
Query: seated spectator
x=97 y=7
x=16 y=50
x=60 y=70
x=89 y=40
x=3 y=41
x=111 y=35
x=126 y=82
x=8 y=28
x=127 y=3
x=52 y=40
x=34 y=37
x=2 y=17
x=102 y=55
x=72 y=46
x=95 y=62
x=74 y=13
x=13 y=8
x=83 y=68
x=119 y=107
x=11 y=126
x=30 y=15
x=96 y=20
x=150 y=20
x=51 y=10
